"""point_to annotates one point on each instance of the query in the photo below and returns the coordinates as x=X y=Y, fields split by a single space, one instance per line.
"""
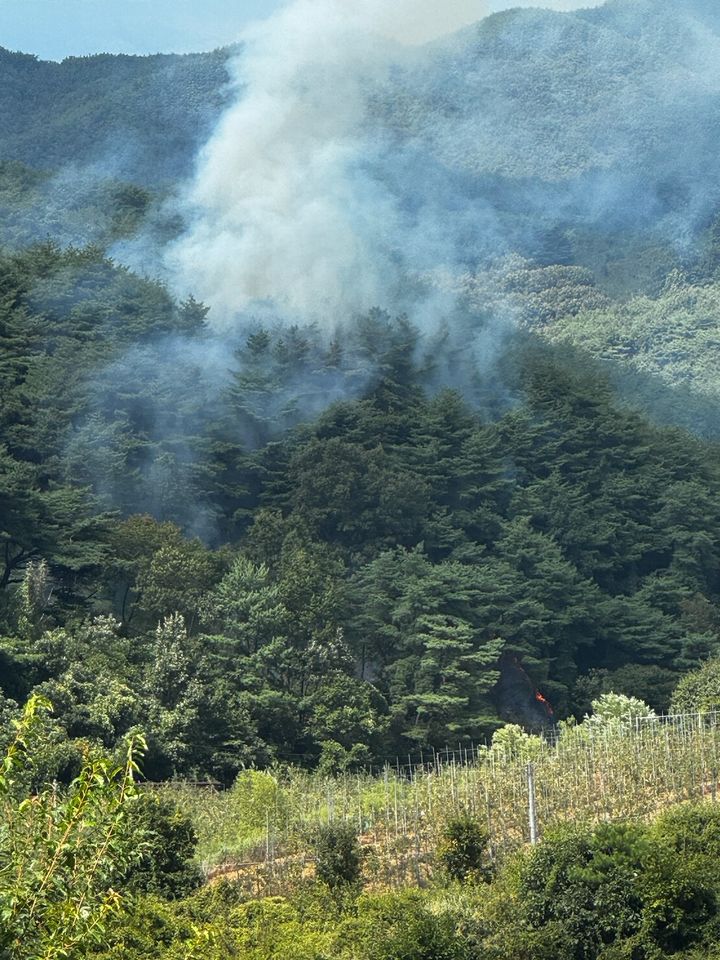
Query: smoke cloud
x=302 y=206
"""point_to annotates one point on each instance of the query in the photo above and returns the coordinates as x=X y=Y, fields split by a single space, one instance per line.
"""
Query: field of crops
x=587 y=773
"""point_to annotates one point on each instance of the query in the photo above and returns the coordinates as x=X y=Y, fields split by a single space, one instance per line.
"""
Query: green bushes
x=682 y=877
x=338 y=857
x=582 y=887
x=62 y=852
x=619 y=892
x=167 y=865
x=699 y=691
x=624 y=890
x=404 y=926
x=463 y=850
x=312 y=925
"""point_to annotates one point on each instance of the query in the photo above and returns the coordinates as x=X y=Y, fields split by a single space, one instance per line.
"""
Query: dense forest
x=245 y=550
x=139 y=118
x=279 y=543
x=257 y=581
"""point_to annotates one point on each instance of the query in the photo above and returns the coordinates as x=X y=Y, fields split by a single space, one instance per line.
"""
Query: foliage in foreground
x=62 y=854
x=96 y=871
x=643 y=762
x=619 y=892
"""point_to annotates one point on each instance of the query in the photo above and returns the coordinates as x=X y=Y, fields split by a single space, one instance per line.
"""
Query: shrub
x=338 y=855
x=617 y=708
x=582 y=888
x=699 y=691
x=61 y=851
x=167 y=867
x=462 y=852
x=682 y=877
x=402 y=926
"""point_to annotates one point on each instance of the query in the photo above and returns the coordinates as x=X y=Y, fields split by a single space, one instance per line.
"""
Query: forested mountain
x=397 y=555
x=284 y=542
x=532 y=133
x=262 y=550
x=136 y=118
x=528 y=96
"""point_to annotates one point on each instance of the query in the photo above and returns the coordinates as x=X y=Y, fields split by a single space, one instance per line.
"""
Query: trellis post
x=532 y=807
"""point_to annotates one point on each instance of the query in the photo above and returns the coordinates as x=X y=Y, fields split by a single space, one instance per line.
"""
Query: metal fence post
x=532 y=807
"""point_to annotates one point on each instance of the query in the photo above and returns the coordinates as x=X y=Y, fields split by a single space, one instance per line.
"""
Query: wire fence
x=590 y=773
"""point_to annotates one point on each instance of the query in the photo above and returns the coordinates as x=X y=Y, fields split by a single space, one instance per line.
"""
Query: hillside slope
x=138 y=118
x=525 y=97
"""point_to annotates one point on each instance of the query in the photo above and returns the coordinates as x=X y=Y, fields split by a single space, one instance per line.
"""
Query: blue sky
x=54 y=29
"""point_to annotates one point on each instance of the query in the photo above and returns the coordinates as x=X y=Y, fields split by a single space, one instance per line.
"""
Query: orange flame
x=546 y=703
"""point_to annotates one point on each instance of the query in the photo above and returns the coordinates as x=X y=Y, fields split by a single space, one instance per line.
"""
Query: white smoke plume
x=285 y=213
